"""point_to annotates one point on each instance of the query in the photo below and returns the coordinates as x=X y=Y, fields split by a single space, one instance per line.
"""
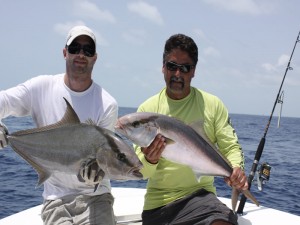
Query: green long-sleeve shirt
x=170 y=181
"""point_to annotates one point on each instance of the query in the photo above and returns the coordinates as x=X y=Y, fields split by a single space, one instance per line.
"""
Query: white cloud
x=273 y=73
x=244 y=6
x=147 y=11
x=63 y=29
x=90 y=10
x=283 y=60
x=211 y=51
x=200 y=34
x=100 y=39
x=135 y=37
x=268 y=67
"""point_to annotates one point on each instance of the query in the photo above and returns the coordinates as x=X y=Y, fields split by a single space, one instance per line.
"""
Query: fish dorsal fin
x=90 y=122
x=198 y=126
x=70 y=117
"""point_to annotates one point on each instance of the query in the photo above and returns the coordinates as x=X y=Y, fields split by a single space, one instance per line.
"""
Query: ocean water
x=18 y=180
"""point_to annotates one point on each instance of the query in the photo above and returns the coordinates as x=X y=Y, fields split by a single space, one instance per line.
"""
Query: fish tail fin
x=234 y=198
x=248 y=194
x=235 y=195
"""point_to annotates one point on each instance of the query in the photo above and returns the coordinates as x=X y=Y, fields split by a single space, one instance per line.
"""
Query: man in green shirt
x=174 y=195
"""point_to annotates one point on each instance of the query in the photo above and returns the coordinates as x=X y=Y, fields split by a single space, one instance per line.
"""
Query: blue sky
x=244 y=46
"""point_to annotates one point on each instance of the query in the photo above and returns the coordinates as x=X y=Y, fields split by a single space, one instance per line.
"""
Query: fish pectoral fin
x=169 y=141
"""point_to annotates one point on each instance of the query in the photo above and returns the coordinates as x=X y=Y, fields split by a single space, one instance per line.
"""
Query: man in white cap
x=68 y=199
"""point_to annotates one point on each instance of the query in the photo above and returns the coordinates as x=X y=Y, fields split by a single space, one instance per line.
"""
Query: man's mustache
x=176 y=79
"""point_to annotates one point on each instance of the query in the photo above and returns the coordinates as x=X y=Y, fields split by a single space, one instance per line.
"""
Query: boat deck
x=129 y=204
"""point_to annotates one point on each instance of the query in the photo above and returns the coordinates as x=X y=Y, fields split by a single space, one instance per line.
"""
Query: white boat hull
x=129 y=205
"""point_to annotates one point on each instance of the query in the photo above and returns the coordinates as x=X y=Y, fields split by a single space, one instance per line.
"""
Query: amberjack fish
x=184 y=145
x=69 y=144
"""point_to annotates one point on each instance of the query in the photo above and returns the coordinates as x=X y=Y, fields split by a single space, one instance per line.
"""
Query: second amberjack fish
x=184 y=145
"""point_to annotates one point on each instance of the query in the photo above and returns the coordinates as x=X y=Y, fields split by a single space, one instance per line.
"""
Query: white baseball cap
x=78 y=31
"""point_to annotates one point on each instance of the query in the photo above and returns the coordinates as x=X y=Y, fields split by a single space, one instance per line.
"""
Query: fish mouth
x=136 y=173
x=119 y=127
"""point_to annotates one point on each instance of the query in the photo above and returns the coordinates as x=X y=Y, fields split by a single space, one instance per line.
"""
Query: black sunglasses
x=88 y=50
x=182 y=68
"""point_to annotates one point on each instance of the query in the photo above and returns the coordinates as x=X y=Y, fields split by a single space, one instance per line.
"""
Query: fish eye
x=135 y=123
x=121 y=156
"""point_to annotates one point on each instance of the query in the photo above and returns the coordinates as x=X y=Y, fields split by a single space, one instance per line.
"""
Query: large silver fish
x=185 y=145
x=68 y=145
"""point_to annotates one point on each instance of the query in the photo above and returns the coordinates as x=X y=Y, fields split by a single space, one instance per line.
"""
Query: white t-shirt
x=42 y=98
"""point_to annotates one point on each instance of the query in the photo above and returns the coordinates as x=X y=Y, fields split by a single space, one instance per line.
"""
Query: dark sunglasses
x=88 y=50
x=182 y=68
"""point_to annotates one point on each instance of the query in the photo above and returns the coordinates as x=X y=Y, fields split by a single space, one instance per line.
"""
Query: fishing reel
x=263 y=175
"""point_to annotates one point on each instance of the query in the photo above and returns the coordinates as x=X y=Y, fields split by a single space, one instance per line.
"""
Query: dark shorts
x=199 y=208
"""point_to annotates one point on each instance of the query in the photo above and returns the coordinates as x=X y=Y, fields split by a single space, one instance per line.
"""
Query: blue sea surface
x=18 y=180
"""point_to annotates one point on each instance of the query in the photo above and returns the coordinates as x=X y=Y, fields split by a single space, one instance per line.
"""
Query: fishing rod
x=263 y=139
